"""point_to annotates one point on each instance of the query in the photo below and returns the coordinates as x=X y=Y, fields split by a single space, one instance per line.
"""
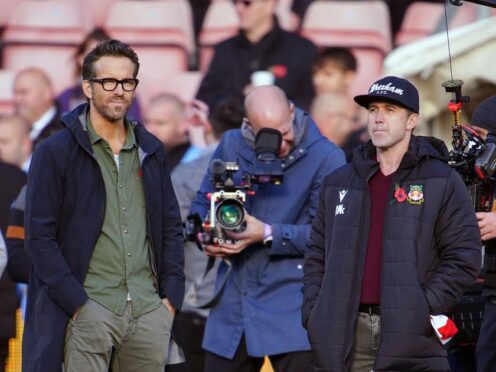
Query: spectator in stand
x=261 y=45
x=186 y=178
x=167 y=118
x=72 y=97
x=334 y=114
x=12 y=180
x=15 y=143
x=34 y=102
x=334 y=70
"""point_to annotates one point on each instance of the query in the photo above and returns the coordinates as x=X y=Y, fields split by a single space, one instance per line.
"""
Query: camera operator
x=259 y=312
x=484 y=123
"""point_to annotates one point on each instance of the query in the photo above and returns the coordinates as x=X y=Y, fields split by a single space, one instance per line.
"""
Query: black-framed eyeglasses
x=245 y=3
x=110 y=84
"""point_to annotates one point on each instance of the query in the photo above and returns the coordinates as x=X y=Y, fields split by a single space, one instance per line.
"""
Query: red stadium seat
x=7 y=7
x=287 y=19
x=423 y=19
x=160 y=32
x=96 y=12
x=44 y=34
x=6 y=92
x=362 y=26
x=183 y=84
x=220 y=23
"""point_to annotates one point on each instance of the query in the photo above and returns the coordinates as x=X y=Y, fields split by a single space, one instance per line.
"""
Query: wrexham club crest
x=416 y=194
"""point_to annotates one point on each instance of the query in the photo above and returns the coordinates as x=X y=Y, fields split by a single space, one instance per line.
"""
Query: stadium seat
x=220 y=23
x=44 y=34
x=6 y=92
x=287 y=19
x=423 y=19
x=362 y=26
x=358 y=24
x=96 y=12
x=160 y=32
x=182 y=84
x=8 y=7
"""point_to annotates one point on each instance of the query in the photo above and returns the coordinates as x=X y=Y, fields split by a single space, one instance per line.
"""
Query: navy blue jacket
x=65 y=207
x=262 y=298
x=431 y=253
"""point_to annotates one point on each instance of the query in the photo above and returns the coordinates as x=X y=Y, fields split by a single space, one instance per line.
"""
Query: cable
x=447 y=36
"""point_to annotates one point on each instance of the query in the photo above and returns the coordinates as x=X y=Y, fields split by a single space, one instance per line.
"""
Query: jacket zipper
x=382 y=266
x=353 y=305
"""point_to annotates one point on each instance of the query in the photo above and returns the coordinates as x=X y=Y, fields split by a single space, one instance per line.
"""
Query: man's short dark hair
x=342 y=57
x=228 y=114
x=110 y=48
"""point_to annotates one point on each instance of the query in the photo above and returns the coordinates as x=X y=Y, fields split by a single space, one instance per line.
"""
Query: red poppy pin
x=400 y=194
x=140 y=173
x=279 y=71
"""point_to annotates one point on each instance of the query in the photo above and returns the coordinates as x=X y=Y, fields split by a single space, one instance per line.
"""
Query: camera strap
x=193 y=295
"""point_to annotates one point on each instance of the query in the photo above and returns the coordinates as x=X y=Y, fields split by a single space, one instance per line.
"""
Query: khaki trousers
x=366 y=343
x=98 y=338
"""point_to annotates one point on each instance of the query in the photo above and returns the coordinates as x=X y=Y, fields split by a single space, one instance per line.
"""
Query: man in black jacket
x=395 y=241
x=484 y=122
x=103 y=234
x=261 y=45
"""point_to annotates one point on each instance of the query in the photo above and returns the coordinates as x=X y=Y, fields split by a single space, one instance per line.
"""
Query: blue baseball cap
x=394 y=90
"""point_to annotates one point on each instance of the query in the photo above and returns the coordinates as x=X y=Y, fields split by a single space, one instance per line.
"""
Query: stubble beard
x=112 y=115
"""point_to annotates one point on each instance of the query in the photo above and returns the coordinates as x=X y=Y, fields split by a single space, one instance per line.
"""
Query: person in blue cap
x=394 y=242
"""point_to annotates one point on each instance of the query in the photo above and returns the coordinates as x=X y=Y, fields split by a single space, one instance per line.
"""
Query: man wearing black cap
x=394 y=242
x=484 y=122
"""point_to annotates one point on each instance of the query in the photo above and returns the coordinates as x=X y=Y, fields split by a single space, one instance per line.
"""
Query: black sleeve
x=458 y=241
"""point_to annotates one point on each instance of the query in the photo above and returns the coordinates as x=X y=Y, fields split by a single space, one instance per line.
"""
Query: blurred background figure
x=338 y=118
x=260 y=45
x=174 y=123
x=186 y=178
x=334 y=70
x=334 y=114
x=166 y=119
x=73 y=96
x=15 y=143
x=34 y=102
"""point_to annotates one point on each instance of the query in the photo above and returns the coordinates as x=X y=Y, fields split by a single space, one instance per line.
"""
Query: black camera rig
x=227 y=212
x=473 y=157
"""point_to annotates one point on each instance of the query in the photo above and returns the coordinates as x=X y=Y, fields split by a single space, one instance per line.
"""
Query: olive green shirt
x=119 y=268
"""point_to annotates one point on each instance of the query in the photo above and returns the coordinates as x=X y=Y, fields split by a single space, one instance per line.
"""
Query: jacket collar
x=420 y=148
x=75 y=121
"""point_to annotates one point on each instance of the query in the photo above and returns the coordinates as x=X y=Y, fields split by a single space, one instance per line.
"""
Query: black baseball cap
x=394 y=90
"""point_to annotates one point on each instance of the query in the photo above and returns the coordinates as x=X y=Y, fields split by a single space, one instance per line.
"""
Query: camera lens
x=230 y=214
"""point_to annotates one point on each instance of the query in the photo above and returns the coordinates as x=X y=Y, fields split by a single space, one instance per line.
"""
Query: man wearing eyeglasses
x=103 y=233
x=260 y=45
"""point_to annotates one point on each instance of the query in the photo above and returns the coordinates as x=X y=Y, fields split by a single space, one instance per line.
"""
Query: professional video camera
x=472 y=157
x=227 y=211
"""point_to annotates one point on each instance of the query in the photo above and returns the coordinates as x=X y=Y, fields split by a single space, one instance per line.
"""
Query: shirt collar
x=129 y=142
x=42 y=122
